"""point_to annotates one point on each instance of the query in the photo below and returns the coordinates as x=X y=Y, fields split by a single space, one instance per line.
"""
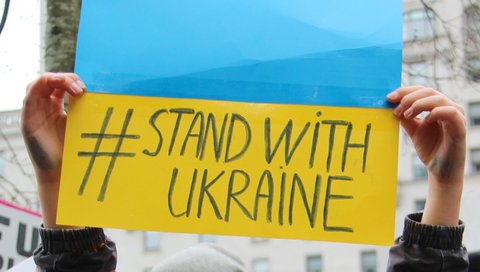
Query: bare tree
x=455 y=39
x=459 y=53
x=61 y=34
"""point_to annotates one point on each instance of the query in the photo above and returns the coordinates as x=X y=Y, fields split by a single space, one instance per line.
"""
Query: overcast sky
x=19 y=51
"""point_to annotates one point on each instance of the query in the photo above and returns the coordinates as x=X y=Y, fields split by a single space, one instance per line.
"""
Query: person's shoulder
x=474 y=259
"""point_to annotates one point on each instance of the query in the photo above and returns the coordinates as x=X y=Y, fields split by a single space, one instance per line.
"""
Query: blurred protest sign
x=18 y=234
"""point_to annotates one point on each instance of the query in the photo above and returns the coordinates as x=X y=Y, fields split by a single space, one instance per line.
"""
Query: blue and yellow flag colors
x=255 y=117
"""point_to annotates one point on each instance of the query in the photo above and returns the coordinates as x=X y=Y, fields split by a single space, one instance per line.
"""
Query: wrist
x=443 y=202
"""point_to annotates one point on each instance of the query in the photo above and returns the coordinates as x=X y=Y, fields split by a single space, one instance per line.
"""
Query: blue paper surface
x=339 y=53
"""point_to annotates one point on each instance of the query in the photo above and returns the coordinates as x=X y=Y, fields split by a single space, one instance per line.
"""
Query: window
x=474 y=113
x=472 y=66
x=314 y=264
x=261 y=265
x=369 y=261
x=419 y=171
x=419 y=205
x=207 y=238
x=418 y=24
x=151 y=240
x=475 y=160
x=417 y=73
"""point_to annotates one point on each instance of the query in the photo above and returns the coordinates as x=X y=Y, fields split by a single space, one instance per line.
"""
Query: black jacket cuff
x=439 y=237
x=72 y=240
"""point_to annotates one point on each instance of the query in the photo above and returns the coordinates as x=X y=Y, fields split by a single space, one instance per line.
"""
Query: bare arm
x=43 y=129
x=62 y=248
x=439 y=140
x=432 y=241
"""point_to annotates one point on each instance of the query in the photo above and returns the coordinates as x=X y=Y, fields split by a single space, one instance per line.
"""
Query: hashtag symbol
x=112 y=155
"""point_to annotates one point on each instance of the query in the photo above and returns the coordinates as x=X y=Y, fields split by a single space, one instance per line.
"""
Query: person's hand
x=440 y=142
x=43 y=129
x=44 y=118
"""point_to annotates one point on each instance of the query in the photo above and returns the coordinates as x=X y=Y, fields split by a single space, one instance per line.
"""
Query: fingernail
x=398 y=110
x=392 y=95
x=408 y=114
x=76 y=88
x=81 y=84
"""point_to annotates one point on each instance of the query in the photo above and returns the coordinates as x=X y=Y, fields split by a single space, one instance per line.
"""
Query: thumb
x=410 y=125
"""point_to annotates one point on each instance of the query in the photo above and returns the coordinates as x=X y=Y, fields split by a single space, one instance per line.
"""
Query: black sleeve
x=75 y=250
x=428 y=248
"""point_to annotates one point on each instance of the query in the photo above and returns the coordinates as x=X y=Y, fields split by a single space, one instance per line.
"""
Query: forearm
x=442 y=207
x=48 y=192
x=43 y=128
x=445 y=186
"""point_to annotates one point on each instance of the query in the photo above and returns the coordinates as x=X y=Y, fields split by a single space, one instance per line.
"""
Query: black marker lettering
x=281 y=199
x=331 y=140
x=285 y=134
x=204 y=190
x=199 y=118
x=314 y=144
x=266 y=176
x=179 y=113
x=246 y=144
x=217 y=139
x=171 y=190
x=311 y=211
x=328 y=197
x=233 y=195
x=348 y=145
x=152 y=121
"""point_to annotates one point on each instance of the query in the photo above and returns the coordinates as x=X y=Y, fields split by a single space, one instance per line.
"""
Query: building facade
x=17 y=179
x=441 y=49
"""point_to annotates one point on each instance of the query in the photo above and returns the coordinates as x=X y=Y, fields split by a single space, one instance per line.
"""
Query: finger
x=47 y=83
x=399 y=93
x=73 y=76
x=410 y=125
x=427 y=103
x=77 y=80
x=452 y=117
x=60 y=93
x=409 y=96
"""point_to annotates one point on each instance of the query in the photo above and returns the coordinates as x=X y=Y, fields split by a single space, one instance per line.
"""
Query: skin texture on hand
x=43 y=128
x=440 y=142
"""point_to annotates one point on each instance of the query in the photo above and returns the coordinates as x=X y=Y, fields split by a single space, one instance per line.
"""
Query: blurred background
x=441 y=49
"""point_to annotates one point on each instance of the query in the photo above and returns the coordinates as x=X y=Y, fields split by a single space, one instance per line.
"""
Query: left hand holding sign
x=43 y=127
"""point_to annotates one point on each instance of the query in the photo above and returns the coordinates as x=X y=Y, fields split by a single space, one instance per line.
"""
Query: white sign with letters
x=18 y=234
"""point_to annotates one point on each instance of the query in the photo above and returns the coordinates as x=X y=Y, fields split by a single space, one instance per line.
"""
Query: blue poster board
x=342 y=53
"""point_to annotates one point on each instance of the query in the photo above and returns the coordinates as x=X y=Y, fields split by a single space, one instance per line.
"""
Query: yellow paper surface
x=263 y=170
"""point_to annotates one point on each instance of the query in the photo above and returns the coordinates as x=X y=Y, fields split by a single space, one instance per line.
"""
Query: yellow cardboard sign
x=264 y=170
